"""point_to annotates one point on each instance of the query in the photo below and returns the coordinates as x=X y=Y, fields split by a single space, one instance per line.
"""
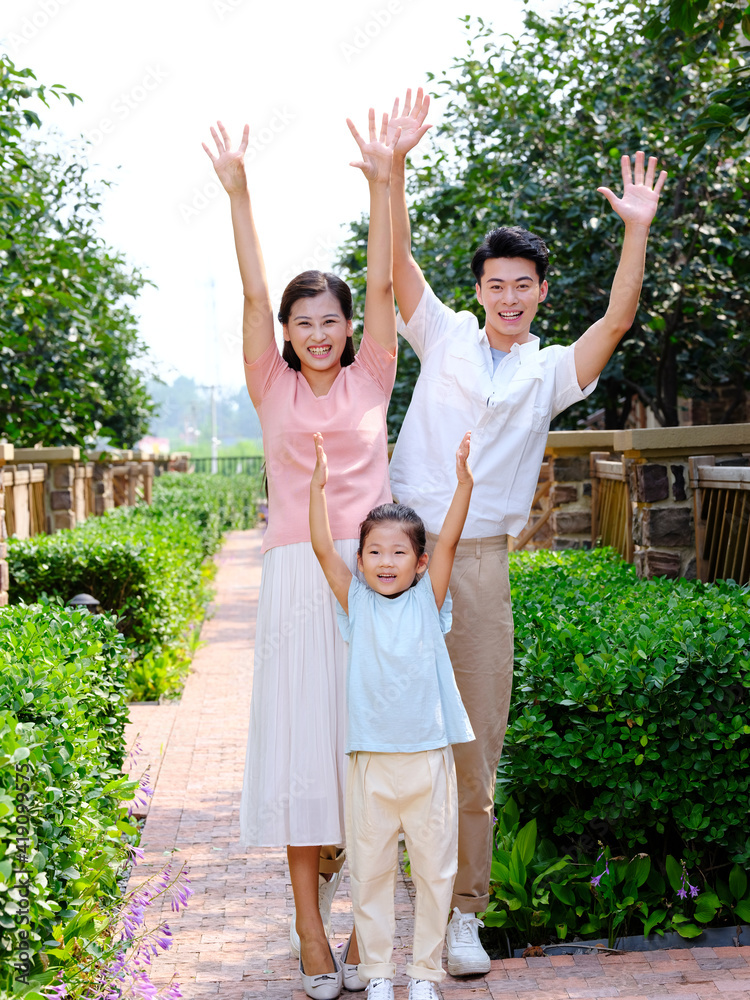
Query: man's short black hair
x=511 y=241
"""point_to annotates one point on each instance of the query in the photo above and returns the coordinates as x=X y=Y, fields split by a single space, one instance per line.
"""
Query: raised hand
x=410 y=121
x=230 y=163
x=463 y=472
x=640 y=196
x=320 y=472
x=377 y=154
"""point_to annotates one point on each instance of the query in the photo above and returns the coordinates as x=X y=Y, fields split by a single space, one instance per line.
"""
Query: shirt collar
x=524 y=352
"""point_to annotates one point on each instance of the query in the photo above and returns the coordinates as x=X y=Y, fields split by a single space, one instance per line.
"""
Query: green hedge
x=147 y=571
x=213 y=504
x=62 y=719
x=630 y=720
x=143 y=563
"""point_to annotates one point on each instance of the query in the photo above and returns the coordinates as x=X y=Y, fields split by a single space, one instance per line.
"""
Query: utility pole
x=214 y=437
x=214 y=427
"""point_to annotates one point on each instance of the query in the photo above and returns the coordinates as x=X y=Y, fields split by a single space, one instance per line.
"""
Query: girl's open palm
x=640 y=196
x=377 y=154
x=320 y=472
x=230 y=163
x=410 y=121
x=463 y=472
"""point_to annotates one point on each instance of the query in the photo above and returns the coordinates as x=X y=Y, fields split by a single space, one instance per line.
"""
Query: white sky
x=155 y=74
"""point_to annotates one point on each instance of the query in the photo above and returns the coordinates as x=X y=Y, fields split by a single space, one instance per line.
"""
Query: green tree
x=727 y=109
x=68 y=335
x=531 y=128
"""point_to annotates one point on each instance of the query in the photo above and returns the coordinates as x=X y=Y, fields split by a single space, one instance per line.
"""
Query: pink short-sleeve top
x=351 y=417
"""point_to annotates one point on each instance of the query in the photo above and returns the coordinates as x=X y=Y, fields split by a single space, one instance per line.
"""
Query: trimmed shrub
x=144 y=570
x=62 y=719
x=212 y=504
x=630 y=720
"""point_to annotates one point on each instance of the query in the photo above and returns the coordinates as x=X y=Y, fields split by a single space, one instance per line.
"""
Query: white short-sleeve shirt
x=508 y=413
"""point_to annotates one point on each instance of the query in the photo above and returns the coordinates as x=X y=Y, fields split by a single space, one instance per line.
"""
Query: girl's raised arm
x=257 y=318
x=377 y=157
x=336 y=571
x=441 y=562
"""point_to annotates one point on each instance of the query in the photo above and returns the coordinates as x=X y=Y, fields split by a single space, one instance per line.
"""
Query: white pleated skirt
x=295 y=768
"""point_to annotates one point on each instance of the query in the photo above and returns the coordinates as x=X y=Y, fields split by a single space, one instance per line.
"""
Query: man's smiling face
x=510 y=293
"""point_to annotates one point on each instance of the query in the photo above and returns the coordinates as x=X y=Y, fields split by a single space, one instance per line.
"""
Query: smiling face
x=510 y=292
x=388 y=560
x=318 y=331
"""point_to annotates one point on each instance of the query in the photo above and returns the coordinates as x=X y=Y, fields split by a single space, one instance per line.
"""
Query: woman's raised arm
x=257 y=317
x=377 y=157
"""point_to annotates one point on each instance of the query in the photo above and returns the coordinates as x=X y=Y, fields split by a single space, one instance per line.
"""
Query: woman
x=295 y=766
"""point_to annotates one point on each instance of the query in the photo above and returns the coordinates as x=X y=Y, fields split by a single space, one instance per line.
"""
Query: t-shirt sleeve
x=377 y=362
x=429 y=324
x=261 y=374
x=345 y=620
x=567 y=390
x=445 y=614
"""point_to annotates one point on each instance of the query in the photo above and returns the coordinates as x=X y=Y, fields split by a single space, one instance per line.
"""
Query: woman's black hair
x=305 y=286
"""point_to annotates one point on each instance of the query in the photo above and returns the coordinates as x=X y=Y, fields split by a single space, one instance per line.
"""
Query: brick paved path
x=232 y=940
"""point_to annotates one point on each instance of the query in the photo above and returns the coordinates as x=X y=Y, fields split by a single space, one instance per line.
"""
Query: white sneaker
x=380 y=989
x=326 y=892
x=422 y=989
x=466 y=956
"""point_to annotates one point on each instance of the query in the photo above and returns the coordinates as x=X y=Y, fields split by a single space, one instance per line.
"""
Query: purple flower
x=180 y=891
x=685 y=885
x=54 y=991
x=597 y=878
x=136 y=854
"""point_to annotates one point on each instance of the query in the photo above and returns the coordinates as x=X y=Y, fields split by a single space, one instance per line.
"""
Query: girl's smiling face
x=317 y=331
x=388 y=560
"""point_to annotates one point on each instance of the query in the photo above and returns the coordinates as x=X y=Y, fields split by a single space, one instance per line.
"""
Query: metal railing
x=230 y=465
x=611 y=511
x=721 y=501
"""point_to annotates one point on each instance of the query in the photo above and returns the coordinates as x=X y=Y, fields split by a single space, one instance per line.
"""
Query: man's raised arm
x=636 y=208
x=408 y=280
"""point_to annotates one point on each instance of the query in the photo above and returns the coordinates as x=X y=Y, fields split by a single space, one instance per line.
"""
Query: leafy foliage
x=531 y=128
x=62 y=719
x=537 y=897
x=727 y=110
x=147 y=573
x=69 y=335
x=630 y=721
x=147 y=565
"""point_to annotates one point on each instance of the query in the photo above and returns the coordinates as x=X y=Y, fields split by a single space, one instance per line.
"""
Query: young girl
x=404 y=713
x=294 y=771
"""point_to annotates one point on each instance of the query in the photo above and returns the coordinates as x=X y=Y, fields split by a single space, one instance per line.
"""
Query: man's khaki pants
x=480 y=644
x=386 y=792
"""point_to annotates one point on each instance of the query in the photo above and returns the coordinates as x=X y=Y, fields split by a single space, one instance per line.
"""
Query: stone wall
x=6 y=453
x=654 y=464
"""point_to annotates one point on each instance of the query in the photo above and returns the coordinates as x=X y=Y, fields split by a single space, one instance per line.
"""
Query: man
x=499 y=384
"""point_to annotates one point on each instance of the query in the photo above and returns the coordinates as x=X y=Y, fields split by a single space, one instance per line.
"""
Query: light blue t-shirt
x=497 y=357
x=401 y=692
